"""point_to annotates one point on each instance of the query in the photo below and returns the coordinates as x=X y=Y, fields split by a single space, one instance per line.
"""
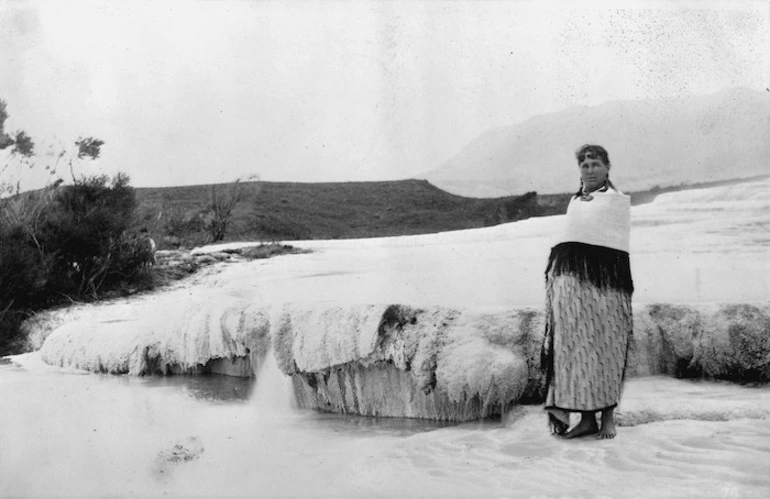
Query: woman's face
x=593 y=172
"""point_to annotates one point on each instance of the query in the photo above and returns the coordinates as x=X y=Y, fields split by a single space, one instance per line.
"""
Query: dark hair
x=593 y=150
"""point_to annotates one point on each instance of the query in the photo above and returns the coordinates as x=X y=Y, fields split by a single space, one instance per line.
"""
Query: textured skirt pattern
x=588 y=334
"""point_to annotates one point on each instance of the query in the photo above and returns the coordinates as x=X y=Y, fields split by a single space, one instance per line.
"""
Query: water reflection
x=375 y=426
x=209 y=387
x=217 y=389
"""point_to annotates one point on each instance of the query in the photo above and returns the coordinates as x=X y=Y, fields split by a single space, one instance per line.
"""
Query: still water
x=66 y=433
x=71 y=433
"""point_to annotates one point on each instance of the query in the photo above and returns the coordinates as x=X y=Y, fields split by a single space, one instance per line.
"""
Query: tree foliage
x=89 y=147
x=64 y=242
x=84 y=231
x=21 y=144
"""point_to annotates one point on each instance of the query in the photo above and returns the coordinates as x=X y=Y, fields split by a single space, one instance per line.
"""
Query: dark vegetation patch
x=268 y=250
x=67 y=243
x=81 y=243
x=282 y=211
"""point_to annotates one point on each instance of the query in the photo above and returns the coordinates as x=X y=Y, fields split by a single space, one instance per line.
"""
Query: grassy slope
x=292 y=211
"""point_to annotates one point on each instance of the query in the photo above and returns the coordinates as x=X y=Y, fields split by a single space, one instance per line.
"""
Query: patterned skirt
x=589 y=326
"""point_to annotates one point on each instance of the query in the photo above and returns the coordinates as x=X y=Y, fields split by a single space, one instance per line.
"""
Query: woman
x=588 y=304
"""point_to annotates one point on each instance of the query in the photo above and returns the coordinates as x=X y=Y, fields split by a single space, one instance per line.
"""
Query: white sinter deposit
x=444 y=326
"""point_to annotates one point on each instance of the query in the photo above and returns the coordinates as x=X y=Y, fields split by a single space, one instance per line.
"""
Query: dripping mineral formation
x=446 y=326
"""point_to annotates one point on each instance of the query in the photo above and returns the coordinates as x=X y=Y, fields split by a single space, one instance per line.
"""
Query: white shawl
x=603 y=221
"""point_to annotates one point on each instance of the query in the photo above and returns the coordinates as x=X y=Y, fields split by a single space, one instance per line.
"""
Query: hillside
x=652 y=142
x=292 y=211
x=283 y=211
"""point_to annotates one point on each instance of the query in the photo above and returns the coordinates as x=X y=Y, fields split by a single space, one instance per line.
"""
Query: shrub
x=84 y=230
x=67 y=242
x=11 y=338
x=23 y=275
x=62 y=241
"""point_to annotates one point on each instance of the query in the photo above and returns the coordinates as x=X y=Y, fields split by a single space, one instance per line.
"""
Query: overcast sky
x=189 y=92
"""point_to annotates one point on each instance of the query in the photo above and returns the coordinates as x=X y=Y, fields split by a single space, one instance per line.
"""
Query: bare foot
x=558 y=420
x=608 y=425
x=559 y=414
x=587 y=426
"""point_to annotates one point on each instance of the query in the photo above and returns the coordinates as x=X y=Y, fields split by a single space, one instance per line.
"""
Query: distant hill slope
x=292 y=211
x=283 y=211
x=652 y=142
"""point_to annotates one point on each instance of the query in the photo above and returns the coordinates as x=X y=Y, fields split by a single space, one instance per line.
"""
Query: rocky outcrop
x=207 y=334
x=729 y=341
x=436 y=363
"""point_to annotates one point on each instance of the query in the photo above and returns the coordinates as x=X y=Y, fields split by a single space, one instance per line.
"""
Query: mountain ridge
x=651 y=142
